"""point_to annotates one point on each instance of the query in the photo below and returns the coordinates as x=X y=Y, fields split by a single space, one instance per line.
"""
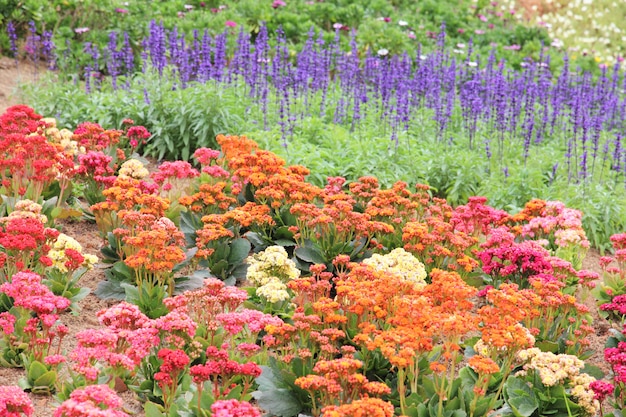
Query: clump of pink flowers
x=234 y=408
x=92 y=400
x=14 y=402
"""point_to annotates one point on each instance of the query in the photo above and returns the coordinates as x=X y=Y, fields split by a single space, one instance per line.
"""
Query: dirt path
x=10 y=78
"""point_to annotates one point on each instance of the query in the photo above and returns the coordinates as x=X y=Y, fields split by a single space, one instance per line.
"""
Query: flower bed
x=236 y=280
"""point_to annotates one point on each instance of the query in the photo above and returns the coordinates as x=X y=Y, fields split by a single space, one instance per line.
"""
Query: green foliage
x=40 y=378
x=528 y=397
x=67 y=286
x=183 y=120
x=277 y=394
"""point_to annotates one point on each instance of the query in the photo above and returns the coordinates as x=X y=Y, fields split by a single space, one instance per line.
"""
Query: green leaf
x=153 y=410
x=548 y=346
x=273 y=397
x=46 y=380
x=239 y=250
x=107 y=290
x=593 y=370
x=520 y=397
x=310 y=255
x=36 y=370
x=284 y=242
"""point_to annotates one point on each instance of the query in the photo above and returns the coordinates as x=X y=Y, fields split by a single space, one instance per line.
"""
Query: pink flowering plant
x=25 y=240
x=95 y=171
x=96 y=400
x=221 y=357
x=14 y=402
x=612 y=392
x=613 y=286
x=174 y=181
x=32 y=334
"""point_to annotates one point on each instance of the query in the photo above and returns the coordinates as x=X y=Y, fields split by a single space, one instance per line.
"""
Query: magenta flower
x=278 y=3
x=230 y=24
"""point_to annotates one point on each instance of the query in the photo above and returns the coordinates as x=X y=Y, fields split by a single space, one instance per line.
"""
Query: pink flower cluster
x=516 y=261
x=476 y=217
x=220 y=365
x=616 y=357
x=234 y=408
x=601 y=389
x=170 y=171
x=14 y=402
x=617 y=305
x=255 y=320
x=92 y=400
x=129 y=337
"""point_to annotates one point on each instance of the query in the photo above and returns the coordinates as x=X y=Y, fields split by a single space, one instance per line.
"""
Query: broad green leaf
x=153 y=410
x=36 y=370
x=310 y=255
x=46 y=380
x=239 y=250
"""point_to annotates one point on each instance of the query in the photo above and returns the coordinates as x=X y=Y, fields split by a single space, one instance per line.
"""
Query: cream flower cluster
x=62 y=137
x=26 y=209
x=133 y=169
x=59 y=258
x=269 y=270
x=571 y=237
x=400 y=263
x=561 y=369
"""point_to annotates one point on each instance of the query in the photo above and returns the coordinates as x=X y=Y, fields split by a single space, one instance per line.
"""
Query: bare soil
x=11 y=76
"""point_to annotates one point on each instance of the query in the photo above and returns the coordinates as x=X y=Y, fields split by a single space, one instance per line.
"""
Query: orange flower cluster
x=501 y=328
x=560 y=316
x=365 y=407
x=311 y=337
x=287 y=187
x=534 y=208
x=229 y=225
x=210 y=199
x=438 y=245
x=127 y=194
x=335 y=227
x=234 y=146
x=310 y=289
x=396 y=207
x=337 y=382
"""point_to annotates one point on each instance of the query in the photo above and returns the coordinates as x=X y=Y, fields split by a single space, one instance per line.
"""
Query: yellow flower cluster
x=401 y=263
x=59 y=258
x=561 y=369
x=269 y=270
x=133 y=169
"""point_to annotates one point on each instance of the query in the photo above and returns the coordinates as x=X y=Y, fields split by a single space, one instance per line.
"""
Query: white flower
x=383 y=52
x=403 y=23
